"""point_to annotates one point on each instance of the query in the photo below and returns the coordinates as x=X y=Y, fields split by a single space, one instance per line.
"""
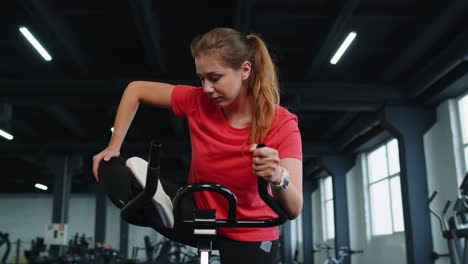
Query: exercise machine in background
x=455 y=228
x=5 y=240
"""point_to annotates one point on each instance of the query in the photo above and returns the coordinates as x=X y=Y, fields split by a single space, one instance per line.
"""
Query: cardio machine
x=455 y=228
x=4 y=239
x=138 y=206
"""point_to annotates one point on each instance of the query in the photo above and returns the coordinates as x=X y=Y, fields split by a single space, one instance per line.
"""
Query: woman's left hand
x=265 y=163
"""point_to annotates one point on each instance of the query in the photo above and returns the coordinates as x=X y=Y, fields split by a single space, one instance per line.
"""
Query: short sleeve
x=182 y=99
x=291 y=145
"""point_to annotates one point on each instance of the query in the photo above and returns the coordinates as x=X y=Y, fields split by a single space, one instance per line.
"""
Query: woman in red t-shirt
x=236 y=107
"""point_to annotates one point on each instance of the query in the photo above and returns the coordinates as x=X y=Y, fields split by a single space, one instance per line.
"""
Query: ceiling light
x=343 y=47
x=35 y=43
x=6 y=135
x=41 y=186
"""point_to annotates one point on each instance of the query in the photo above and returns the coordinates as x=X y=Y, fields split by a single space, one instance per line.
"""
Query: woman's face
x=221 y=83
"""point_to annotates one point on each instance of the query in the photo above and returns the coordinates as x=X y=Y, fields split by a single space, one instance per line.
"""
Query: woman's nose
x=207 y=87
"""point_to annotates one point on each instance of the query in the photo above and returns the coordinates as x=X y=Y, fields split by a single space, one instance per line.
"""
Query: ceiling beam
x=305 y=95
x=437 y=26
x=338 y=124
x=311 y=149
x=148 y=28
x=311 y=166
x=453 y=85
x=335 y=33
x=171 y=148
x=360 y=126
x=42 y=11
x=442 y=64
x=375 y=137
x=312 y=96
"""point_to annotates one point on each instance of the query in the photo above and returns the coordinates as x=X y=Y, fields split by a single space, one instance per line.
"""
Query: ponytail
x=264 y=88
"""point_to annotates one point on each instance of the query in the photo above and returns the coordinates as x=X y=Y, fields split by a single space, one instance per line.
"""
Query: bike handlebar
x=232 y=220
x=153 y=173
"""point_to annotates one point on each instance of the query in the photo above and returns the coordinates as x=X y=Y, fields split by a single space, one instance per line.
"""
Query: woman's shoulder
x=184 y=88
x=193 y=97
x=283 y=114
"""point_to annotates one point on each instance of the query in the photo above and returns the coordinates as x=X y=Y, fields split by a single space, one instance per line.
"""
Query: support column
x=124 y=238
x=287 y=247
x=61 y=168
x=100 y=216
x=337 y=166
x=309 y=186
x=408 y=125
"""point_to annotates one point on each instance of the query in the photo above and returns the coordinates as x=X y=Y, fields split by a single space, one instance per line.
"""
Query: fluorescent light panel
x=41 y=186
x=349 y=39
x=6 y=135
x=35 y=43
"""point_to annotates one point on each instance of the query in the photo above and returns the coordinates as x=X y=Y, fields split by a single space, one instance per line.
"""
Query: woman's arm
x=154 y=93
x=266 y=164
x=291 y=197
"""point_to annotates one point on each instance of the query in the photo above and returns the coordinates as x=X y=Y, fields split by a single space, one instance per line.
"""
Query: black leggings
x=234 y=252
x=120 y=185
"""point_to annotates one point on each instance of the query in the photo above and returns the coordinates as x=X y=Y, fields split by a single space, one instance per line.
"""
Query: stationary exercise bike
x=330 y=259
x=140 y=210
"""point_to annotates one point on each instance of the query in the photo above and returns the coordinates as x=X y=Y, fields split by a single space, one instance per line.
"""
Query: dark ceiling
x=410 y=52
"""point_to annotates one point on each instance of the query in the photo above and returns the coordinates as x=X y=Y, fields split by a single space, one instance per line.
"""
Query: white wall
x=81 y=216
x=113 y=224
x=25 y=216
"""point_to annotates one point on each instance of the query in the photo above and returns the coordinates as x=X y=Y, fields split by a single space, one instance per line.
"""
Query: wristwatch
x=284 y=181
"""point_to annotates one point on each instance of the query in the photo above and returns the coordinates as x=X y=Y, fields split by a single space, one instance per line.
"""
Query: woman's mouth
x=217 y=99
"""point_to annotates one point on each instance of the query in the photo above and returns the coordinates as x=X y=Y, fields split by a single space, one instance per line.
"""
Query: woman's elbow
x=295 y=211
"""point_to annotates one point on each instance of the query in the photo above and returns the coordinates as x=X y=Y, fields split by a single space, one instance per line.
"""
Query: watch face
x=285 y=179
x=286 y=182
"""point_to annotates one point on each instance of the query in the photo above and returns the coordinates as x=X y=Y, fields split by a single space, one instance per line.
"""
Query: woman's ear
x=245 y=70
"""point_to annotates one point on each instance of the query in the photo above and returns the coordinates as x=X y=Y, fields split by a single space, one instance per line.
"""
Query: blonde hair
x=234 y=49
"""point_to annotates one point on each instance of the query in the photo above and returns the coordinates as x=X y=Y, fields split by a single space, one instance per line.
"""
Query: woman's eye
x=214 y=79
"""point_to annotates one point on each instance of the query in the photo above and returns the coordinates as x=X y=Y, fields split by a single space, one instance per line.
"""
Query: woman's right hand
x=105 y=155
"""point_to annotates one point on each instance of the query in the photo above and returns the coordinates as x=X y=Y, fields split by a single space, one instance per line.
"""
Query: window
x=328 y=207
x=463 y=108
x=383 y=171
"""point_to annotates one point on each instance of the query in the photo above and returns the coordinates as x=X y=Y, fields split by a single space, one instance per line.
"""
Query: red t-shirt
x=220 y=154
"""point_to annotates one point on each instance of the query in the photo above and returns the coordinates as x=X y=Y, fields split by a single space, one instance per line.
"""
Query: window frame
x=326 y=226
x=387 y=178
x=462 y=127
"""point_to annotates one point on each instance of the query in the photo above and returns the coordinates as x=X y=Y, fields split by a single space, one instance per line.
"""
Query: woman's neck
x=239 y=113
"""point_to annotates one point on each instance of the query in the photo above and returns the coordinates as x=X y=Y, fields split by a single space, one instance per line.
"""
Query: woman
x=236 y=107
